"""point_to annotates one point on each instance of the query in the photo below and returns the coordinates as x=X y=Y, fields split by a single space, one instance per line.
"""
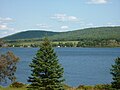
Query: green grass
x=81 y=87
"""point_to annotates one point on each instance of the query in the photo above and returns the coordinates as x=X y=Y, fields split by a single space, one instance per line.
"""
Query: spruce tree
x=47 y=73
x=115 y=71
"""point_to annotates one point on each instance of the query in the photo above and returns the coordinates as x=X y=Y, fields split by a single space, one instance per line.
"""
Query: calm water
x=88 y=66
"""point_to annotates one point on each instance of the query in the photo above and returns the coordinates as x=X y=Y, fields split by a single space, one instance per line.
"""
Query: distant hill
x=30 y=35
x=88 y=33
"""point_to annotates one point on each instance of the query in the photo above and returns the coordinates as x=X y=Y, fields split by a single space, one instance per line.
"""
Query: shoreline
x=21 y=86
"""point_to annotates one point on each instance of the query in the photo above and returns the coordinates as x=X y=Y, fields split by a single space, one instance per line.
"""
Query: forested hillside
x=89 y=37
x=88 y=33
x=30 y=35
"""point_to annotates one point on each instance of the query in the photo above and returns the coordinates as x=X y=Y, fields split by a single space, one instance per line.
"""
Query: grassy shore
x=81 y=87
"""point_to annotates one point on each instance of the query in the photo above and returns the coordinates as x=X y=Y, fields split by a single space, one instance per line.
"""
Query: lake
x=82 y=66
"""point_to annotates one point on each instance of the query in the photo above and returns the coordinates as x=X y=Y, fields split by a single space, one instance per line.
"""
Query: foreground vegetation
x=8 y=66
x=81 y=87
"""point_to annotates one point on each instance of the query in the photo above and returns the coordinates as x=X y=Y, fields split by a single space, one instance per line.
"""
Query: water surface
x=88 y=66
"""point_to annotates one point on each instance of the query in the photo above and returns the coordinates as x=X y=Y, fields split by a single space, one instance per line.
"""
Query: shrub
x=8 y=66
x=67 y=87
x=83 y=87
x=80 y=87
x=107 y=87
x=103 y=87
x=88 y=87
x=17 y=85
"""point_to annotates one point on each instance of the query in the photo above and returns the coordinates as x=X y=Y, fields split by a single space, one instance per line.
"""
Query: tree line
x=80 y=43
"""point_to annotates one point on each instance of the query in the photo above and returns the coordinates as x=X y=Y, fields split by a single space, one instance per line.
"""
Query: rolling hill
x=88 y=33
x=30 y=34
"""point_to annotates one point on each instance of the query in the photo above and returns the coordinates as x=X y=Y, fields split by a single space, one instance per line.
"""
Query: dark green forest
x=30 y=34
x=88 y=33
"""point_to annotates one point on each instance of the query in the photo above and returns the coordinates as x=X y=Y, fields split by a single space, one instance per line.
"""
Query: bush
x=66 y=87
x=88 y=87
x=103 y=87
x=83 y=87
x=80 y=87
x=107 y=87
x=17 y=85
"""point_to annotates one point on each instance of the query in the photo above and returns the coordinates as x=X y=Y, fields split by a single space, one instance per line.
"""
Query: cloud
x=90 y=24
x=64 y=27
x=109 y=23
x=2 y=27
x=6 y=20
x=64 y=17
x=5 y=27
x=72 y=18
x=4 y=33
x=43 y=26
x=112 y=24
x=97 y=2
x=59 y=17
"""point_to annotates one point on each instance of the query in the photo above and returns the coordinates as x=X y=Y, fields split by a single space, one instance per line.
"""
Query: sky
x=57 y=15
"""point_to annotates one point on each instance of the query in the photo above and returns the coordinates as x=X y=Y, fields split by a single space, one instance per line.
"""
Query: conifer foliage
x=115 y=71
x=47 y=73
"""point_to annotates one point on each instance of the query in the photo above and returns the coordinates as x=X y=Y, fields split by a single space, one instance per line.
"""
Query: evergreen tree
x=115 y=71
x=47 y=73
